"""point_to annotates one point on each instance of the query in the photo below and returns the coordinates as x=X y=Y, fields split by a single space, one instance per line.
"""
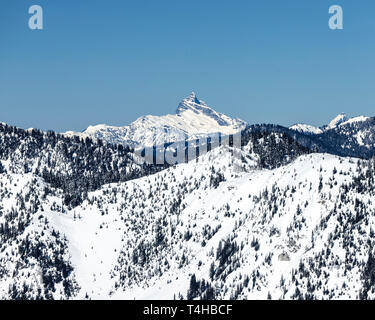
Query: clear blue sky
x=115 y=60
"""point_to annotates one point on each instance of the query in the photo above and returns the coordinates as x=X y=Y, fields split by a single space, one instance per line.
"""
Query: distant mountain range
x=193 y=119
x=339 y=121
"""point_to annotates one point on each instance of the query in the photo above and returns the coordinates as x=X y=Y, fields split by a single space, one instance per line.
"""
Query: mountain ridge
x=340 y=120
x=193 y=119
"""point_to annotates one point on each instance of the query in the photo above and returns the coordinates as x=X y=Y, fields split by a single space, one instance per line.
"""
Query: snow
x=355 y=120
x=341 y=118
x=306 y=128
x=193 y=120
x=339 y=121
x=309 y=210
x=98 y=230
x=104 y=231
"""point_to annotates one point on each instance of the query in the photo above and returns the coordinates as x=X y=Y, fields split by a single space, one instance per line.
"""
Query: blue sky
x=115 y=60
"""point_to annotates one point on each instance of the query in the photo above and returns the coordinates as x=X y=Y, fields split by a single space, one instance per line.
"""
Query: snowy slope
x=341 y=118
x=354 y=120
x=85 y=220
x=238 y=210
x=192 y=120
x=276 y=219
x=300 y=230
x=34 y=257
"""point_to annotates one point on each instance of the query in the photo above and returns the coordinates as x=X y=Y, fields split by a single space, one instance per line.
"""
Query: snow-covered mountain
x=284 y=216
x=216 y=228
x=306 y=128
x=341 y=118
x=343 y=136
x=193 y=119
x=299 y=231
x=339 y=121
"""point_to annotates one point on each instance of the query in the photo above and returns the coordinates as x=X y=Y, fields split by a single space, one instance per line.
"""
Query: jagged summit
x=192 y=103
x=341 y=118
x=192 y=98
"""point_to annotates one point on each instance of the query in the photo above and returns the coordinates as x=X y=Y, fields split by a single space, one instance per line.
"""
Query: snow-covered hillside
x=193 y=119
x=34 y=257
x=213 y=228
x=82 y=219
x=338 y=120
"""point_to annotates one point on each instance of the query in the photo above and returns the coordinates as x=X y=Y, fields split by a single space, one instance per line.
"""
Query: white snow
x=99 y=229
x=355 y=120
x=339 y=121
x=341 y=118
x=193 y=119
x=306 y=128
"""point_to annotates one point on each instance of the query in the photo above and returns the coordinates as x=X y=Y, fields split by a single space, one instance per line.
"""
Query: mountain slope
x=74 y=165
x=341 y=118
x=303 y=230
x=83 y=219
x=34 y=257
x=252 y=235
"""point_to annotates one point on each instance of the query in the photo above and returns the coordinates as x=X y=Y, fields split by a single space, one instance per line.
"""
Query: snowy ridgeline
x=215 y=228
x=193 y=120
